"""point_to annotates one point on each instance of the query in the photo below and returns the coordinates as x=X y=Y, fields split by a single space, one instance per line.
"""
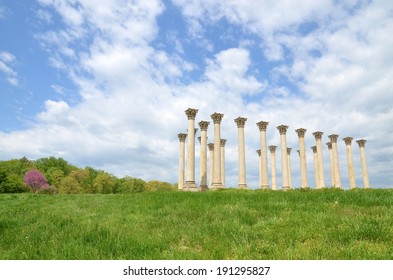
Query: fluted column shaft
x=337 y=177
x=302 y=154
x=259 y=166
x=222 y=143
x=362 y=144
x=240 y=122
x=273 y=166
x=289 y=167
x=211 y=159
x=351 y=171
x=217 y=183
x=182 y=140
x=264 y=184
x=284 y=156
x=203 y=157
x=314 y=150
x=190 y=169
x=329 y=144
x=321 y=174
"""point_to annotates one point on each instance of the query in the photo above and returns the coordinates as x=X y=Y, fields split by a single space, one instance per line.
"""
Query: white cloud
x=6 y=61
x=133 y=96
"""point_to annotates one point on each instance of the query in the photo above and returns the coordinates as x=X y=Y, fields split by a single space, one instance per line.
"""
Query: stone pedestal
x=190 y=168
x=337 y=177
x=240 y=122
x=289 y=167
x=273 y=166
x=182 y=139
x=203 y=125
x=362 y=144
x=262 y=125
x=217 y=183
x=329 y=144
x=351 y=171
x=321 y=174
x=284 y=156
x=222 y=146
x=302 y=154
x=211 y=164
x=315 y=153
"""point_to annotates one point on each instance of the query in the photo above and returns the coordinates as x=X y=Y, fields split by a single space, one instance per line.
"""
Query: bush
x=131 y=185
x=11 y=183
x=48 y=189
x=155 y=185
x=35 y=180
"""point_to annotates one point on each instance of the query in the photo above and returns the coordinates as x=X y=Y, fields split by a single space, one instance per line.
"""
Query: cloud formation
x=321 y=65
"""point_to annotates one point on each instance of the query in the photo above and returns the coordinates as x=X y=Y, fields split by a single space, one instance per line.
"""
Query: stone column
x=222 y=144
x=259 y=166
x=211 y=159
x=289 y=167
x=217 y=183
x=362 y=143
x=329 y=144
x=240 y=122
x=302 y=153
x=264 y=170
x=203 y=168
x=182 y=139
x=337 y=177
x=273 y=163
x=321 y=175
x=284 y=157
x=351 y=171
x=314 y=150
x=190 y=169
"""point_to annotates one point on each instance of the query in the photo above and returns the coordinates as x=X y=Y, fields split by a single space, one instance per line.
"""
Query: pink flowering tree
x=35 y=180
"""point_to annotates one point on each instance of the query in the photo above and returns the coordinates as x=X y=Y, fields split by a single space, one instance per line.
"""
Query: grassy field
x=327 y=224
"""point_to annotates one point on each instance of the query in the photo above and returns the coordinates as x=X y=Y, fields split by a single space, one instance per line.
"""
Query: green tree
x=54 y=176
x=130 y=185
x=155 y=185
x=69 y=185
x=104 y=183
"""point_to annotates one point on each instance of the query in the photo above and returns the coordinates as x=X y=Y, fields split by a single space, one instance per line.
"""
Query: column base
x=265 y=187
x=243 y=186
x=190 y=186
x=286 y=188
x=203 y=188
x=217 y=186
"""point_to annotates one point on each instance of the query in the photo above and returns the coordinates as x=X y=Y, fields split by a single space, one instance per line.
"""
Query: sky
x=105 y=84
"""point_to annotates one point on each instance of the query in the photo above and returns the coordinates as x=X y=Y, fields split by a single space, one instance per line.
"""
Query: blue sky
x=106 y=84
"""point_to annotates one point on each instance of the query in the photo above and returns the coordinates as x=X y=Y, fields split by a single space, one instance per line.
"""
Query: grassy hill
x=230 y=224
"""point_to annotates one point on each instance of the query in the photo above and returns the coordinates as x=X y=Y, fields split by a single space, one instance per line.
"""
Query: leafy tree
x=69 y=185
x=45 y=164
x=104 y=183
x=130 y=185
x=82 y=176
x=155 y=185
x=35 y=180
x=54 y=175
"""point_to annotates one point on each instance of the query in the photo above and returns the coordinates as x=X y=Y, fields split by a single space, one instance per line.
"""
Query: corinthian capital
x=240 y=121
x=211 y=146
x=262 y=125
x=318 y=135
x=348 y=140
x=217 y=117
x=333 y=138
x=182 y=137
x=191 y=113
x=203 y=125
x=282 y=129
x=223 y=142
x=272 y=148
x=301 y=132
x=361 y=143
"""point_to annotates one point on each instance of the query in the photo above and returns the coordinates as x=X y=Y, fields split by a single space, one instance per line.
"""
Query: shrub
x=47 y=189
x=131 y=185
x=159 y=186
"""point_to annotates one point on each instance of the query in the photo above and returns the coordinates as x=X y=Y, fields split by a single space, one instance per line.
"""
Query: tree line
x=56 y=175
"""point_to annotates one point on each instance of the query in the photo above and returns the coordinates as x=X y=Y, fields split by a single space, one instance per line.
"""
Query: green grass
x=328 y=224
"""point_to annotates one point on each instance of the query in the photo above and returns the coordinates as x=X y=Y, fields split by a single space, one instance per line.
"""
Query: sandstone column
x=289 y=167
x=259 y=166
x=329 y=144
x=302 y=153
x=182 y=140
x=321 y=175
x=190 y=169
x=284 y=157
x=222 y=144
x=362 y=143
x=240 y=122
x=337 y=177
x=273 y=163
x=203 y=158
x=264 y=167
x=211 y=157
x=217 y=183
x=314 y=150
x=351 y=171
